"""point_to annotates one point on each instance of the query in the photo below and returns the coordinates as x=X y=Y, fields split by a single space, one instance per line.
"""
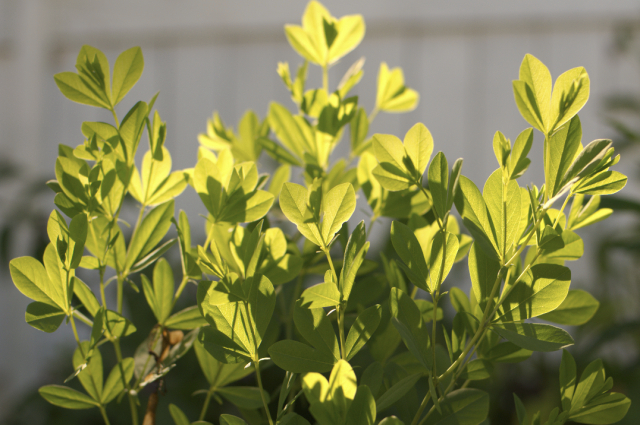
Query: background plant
x=233 y=326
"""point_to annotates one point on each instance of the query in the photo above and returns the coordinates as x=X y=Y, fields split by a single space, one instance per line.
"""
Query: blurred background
x=460 y=55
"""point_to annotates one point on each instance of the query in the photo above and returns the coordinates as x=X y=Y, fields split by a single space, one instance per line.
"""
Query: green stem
x=115 y=117
x=564 y=204
x=120 y=290
x=476 y=337
x=183 y=283
x=424 y=403
x=256 y=364
x=75 y=334
x=339 y=310
x=84 y=319
x=103 y=412
x=340 y=313
x=203 y=412
x=102 y=295
x=526 y=242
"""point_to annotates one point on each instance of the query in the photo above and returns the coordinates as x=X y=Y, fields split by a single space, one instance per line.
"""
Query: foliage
x=249 y=273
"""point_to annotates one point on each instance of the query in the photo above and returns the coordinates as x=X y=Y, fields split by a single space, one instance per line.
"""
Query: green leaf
x=30 y=277
x=178 y=415
x=504 y=207
x=577 y=309
x=293 y=202
x=391 y=420
x=607 y=409
x=231 y=420
x=467 y=406
x=338 y=206
x=86 y=296
x=131 y=129
x=77 y=238
x=163 y=288
x=592 y=378
x=316 y=328
x=475 y=216
x=297 y=357
x=151 y=231
x=570 y=93
x=533 y=92
x=363 y=408
x=568 y=379
x=541 y=290
x=561 y=149
x=321 y=295
x=350 y=30
x=354 y=253
x=262 y=302
x=278 y=153
x=587 y=160
x=572 y=250
x=518 y=161
x=126 y=73
x=74 y=88
x=603 y=183
x=293 y=419
x=418 y=143
x=365 y=325
x=477 y=370
x=66 y=397
x=392 y=95
x=442 y=257
x=408 y=248
x=114 y=385
x=439 y=184
x=534 y=336
x=408 y=321
x=507 y=352
x=292 y=131
x=397 y=391
x=44 y=317
x=483 y=271
x=186 y=320
x=392 y=172
x=244 y=397
x=117 y=325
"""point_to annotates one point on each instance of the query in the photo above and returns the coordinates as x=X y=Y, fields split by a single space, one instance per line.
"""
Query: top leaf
x=323 y=39
x=543 y=109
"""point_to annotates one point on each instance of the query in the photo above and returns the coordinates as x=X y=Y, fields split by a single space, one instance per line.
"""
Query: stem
x=203 y=412
x=564 y=204
x=256 y=364
x=476 y=337
x=84 y=319
x=526 y=242
x=104 y=415
x=339 y=310
x=333 y=270
x=120 y=288
x=183 y=283
x=115 y=117
x=104 y=298
x=75 y=333
x=340 y=314
x=424 y=403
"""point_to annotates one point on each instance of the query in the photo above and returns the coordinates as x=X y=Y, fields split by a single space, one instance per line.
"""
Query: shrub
x=253 y=310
